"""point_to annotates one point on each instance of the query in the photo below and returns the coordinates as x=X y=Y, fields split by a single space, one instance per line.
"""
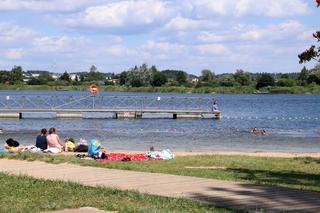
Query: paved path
x=221 y=193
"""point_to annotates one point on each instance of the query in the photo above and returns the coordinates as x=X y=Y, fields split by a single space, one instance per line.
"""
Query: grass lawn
x=25 y=194
x=301 y=173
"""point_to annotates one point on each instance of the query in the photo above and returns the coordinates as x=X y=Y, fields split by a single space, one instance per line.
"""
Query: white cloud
x=120 y=50
x=209 y=8
x=14 y=53
x=123 y=14
x=58 y=44
x=164 y=47
x=285 y=31
x=12 y=33
x=43 y=5
x=209 y=37
x=186 y=24
x=271 y=8
x=212 y=49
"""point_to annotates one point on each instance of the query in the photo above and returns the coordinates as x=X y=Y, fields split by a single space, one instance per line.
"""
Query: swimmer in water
x=254 y=130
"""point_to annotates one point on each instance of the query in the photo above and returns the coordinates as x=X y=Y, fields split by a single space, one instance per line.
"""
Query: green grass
x=25 y=194
x=301 y=173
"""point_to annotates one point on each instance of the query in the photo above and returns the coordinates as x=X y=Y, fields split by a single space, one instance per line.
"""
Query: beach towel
x=4 y=151
x=126 y=157
x=53 y=150
x=32 y=149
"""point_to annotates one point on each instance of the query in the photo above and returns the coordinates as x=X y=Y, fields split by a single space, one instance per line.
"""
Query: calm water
x=292 y=123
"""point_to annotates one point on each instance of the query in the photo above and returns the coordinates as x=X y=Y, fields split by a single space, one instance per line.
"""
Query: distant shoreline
x=175 y=89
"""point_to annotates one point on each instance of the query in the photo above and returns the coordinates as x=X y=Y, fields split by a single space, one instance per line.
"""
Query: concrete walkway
x=221 y=193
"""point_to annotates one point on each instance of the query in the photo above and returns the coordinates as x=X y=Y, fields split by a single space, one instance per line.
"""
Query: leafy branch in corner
x=313 y=53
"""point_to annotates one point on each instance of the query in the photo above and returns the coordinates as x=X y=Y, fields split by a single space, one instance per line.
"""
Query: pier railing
x=97 y=102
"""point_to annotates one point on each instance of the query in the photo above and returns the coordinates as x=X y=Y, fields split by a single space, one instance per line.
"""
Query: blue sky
x=221 y=35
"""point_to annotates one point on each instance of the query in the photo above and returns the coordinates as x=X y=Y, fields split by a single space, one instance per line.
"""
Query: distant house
x=73 y=76
x=194 y=80
x=116 y=81
x=55 y=76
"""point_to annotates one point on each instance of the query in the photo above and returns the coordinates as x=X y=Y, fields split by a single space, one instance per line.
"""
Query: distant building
x=35 y=75
x=194 y=80
x=73 y=76
x=55 y=76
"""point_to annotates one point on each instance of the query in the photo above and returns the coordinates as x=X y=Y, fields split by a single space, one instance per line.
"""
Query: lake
x=292 y=123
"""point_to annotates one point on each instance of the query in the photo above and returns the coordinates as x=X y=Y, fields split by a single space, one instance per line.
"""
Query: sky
x=220 y=35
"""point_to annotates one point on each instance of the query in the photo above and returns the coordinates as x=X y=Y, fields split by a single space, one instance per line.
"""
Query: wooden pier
x=105 y=113
x=92 y=106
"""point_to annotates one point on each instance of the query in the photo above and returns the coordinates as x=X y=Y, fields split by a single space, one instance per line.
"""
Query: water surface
x=292 y=123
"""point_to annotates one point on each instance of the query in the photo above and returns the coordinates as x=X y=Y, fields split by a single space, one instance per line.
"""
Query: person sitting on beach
x=41 y=140
x=263 y=132
x=69 y=145
x=54 y=142
x=165 y=154
x=215 y=108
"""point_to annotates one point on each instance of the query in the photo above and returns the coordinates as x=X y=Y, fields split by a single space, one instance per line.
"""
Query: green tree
x=286 y=82
x=65 y=77
x=312 y=53
x=16 y=75
x=159 y=79
x=313 y=79
x=34 y=81
x=207 y=75
x=264 y=80
x=303 y=76
x=93 y=68
x=5 y=76
x=181 y=77
x=123 y=78
x=242 y=77
x=226 y=80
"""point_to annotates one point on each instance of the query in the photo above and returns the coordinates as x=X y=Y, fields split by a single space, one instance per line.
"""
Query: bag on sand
x=93 y=147
x=12 y=143
x=81 y=148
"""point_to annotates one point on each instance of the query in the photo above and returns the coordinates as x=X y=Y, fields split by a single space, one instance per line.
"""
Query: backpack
x=12 y=143
x=81 y=148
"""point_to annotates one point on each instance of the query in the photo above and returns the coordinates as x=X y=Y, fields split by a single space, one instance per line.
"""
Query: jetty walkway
x=96 y=106
x=235 y=195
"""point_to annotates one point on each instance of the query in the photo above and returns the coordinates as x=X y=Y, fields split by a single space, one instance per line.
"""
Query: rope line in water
x=270 y=118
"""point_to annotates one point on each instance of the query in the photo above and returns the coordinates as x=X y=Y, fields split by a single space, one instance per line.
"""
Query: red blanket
x=126 y=157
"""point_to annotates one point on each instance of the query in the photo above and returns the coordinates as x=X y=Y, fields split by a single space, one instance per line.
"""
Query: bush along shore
x=176 y=89
x=149 y=79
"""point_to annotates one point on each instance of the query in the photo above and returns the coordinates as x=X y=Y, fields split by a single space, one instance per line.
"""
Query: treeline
x=145 y=76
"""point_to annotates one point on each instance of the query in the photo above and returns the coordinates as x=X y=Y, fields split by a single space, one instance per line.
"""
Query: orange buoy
x=93 y=89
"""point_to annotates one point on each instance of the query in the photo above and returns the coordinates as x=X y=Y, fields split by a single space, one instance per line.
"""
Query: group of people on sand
x=52 y=143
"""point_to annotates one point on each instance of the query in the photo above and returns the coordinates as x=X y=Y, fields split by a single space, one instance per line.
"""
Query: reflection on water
x=292 y=123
